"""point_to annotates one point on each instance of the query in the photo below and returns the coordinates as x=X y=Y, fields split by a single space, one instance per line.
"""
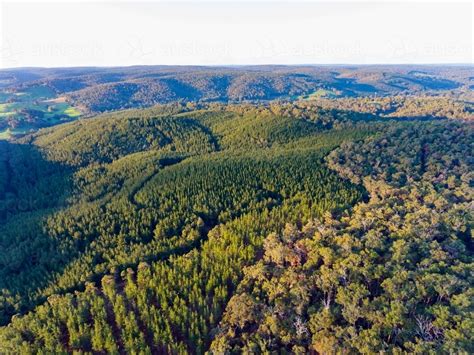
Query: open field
x=32 y=108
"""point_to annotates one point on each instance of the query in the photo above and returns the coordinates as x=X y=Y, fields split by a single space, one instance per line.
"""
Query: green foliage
x=107 y=138
x=391 y=276
x=144 y=189
x=108 y=89
x=146 y=233
x=23 y=110
x=414 y=106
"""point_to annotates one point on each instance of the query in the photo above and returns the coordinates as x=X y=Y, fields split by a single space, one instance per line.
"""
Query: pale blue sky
x=70 y=33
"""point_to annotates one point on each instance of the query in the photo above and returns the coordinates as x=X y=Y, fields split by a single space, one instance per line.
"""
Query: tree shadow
x=31 y=189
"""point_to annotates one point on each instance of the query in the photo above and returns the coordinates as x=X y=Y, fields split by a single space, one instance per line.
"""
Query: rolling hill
x=104 y=89
x=34 y=98
x=233 y=228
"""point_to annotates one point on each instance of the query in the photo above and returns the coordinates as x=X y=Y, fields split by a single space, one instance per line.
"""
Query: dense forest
x=391 y=275
x=34 y=98
x=327 y=226
x=94 y=90
x=403 y=106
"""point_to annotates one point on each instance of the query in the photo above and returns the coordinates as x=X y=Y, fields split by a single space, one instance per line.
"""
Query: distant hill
x=105 y=89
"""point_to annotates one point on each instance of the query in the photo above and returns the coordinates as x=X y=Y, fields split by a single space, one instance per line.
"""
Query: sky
x=118 y=33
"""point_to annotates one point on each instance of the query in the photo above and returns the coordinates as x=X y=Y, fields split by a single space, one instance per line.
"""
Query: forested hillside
x=193 y=228
x=106 y=89
x=34 y=98
x=403 y=106
x=392 y=275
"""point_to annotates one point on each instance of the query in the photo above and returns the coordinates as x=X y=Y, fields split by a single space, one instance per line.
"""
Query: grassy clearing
x=320 y=93
x=72 y=112
x=4 y=107
x=6 y=134
x=33 y=108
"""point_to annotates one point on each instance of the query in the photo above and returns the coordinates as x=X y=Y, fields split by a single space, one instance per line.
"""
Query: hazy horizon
x=234 y=33
x=244 y=65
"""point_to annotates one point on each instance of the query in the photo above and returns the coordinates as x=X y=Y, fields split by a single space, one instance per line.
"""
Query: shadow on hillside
x=31 y=189
x=361 y=117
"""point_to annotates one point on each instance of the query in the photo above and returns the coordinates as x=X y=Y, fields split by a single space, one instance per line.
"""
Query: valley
x=25 y=111
x=211 y=210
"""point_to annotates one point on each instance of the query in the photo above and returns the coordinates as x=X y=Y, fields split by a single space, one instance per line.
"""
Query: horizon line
x=241 y=65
